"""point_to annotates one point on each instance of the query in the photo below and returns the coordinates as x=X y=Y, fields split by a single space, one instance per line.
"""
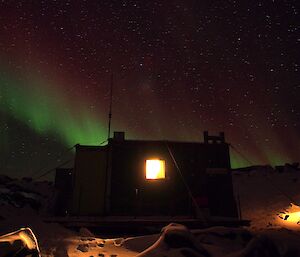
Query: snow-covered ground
x=262 y=192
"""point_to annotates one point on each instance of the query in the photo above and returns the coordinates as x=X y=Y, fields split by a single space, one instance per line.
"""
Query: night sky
x=180 y=67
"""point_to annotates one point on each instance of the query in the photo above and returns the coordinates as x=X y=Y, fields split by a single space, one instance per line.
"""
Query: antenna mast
x=110 y=106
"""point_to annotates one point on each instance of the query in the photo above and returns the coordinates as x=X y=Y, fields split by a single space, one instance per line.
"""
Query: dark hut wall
x=89 y=181
x=133 y=194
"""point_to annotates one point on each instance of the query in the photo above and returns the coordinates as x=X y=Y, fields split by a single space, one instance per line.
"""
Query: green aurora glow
x=46 y=112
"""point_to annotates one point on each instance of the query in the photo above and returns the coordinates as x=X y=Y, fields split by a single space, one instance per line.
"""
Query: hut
x=151 y=178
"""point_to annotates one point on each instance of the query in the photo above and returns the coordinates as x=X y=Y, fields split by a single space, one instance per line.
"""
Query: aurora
x=47 y=112
x=179 y=69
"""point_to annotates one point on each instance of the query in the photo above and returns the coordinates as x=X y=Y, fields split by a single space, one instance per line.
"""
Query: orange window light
x=155 y=169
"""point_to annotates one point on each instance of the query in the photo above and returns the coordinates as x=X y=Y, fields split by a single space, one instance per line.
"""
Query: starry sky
x=179 y=67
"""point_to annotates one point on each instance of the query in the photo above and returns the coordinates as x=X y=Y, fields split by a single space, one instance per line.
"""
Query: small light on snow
x=291 y=216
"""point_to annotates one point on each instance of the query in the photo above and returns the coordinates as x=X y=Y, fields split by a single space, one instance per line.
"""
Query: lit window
x=155 y=169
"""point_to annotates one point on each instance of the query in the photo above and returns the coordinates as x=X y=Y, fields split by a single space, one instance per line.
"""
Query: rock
x=83 y=248
x=101 y=244
x=84 y=232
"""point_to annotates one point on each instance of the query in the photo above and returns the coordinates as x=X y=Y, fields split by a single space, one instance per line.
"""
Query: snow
x=265 y=196
x=264 y=193
x=23 y=240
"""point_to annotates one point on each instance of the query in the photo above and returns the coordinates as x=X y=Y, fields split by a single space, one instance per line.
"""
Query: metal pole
x=110 y=106
x=108 y=156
